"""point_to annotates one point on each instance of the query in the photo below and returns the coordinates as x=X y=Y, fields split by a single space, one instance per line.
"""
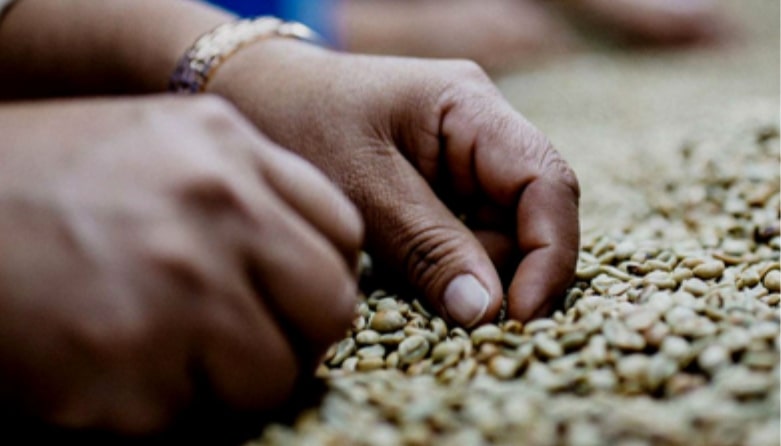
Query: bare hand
x=416 y=143
x=158 y=253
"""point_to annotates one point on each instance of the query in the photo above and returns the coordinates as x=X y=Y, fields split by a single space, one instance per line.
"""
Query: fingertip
x=539 y=285
x=469 y=302
x=525 y=302
x=466 y=300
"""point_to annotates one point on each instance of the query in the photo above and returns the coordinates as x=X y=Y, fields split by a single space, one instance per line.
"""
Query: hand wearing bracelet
x=411 y=142
x=200 y=62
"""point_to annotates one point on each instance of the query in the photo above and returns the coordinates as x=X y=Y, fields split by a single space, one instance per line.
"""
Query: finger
x=299 y=273
x=303 y=278
x=516 y=166
x=240 y=340
x=293 y=179
x=548 y=236
x=317 y=200
x=411 y=229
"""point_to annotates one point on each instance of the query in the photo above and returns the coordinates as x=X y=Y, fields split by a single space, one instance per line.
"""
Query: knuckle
x=468 y=69
x=179 y=266
x=233 y=139
x=218 y=116
x=553 y=163
x=570 y=179
x=209 y=190
x=464 y=82
x=213 y=107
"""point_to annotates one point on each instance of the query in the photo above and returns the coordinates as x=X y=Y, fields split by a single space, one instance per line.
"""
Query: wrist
x=85 y=47
x=273 y=72
x=178 y=25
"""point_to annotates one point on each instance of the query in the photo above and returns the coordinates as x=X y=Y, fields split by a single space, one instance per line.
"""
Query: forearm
x=87 y=47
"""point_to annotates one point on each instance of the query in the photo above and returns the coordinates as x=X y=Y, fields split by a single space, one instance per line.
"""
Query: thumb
x=409 y=228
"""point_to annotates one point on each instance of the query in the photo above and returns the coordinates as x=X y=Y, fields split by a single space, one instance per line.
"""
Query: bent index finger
x=515 y=163
x=548 y=236
x=317 y=201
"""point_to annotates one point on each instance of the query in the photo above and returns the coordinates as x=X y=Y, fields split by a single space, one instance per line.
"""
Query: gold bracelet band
x=199 y=63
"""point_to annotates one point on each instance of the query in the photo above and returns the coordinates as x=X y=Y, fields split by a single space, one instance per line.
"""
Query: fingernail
x=466 y=300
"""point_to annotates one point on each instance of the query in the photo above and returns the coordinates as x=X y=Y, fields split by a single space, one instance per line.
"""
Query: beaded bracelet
x=199 y=63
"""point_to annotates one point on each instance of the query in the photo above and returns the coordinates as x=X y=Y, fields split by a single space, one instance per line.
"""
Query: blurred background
x=496 y=33
x=622 y=116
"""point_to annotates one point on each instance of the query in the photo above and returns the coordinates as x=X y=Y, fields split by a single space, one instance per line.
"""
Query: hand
x=415 y=143
x=157 y=254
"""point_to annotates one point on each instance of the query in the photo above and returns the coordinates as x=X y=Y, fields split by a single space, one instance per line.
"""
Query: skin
x=131 y=207
x=138 y=246
x=410 y=142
